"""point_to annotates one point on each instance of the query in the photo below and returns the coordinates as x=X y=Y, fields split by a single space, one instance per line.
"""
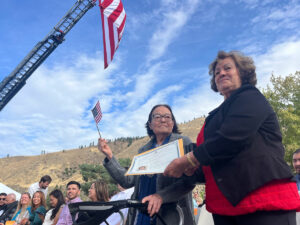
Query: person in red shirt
x=239 y=152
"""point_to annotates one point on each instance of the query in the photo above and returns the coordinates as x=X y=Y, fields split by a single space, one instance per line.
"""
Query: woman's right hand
x=103 y=147
x=154 y=203
x=182 y=165
x=24 y=221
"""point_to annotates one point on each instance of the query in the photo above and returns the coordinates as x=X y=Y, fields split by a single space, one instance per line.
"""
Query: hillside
x=21 y=171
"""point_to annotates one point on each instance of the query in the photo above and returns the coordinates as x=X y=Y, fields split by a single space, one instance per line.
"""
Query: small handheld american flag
x=97 y=112
x=97 y=115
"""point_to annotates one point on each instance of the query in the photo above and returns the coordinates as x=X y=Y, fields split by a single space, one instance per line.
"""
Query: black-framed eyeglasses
x=3 y=199
x=158 y=117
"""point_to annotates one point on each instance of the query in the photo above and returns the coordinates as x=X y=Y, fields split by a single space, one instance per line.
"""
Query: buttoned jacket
x=243 y=144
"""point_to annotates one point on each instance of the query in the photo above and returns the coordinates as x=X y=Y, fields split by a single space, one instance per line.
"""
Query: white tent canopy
x=8 y=190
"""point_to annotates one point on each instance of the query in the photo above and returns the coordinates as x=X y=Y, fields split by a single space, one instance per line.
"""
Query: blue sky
x=163 y=57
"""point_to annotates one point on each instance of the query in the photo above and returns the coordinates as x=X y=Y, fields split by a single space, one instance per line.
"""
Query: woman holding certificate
x=154 y=189
x=239 y=150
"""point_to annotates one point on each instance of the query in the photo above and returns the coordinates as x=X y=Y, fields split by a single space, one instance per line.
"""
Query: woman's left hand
x=24 y=221
x=154 y=203
x=181 y=166
x=177 y=167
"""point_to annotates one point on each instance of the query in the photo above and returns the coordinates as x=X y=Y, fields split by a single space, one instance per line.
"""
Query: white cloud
x=52 y=112
x=172 y=22
x=282 y=16
x=255 y=3
x=198 y=102
x=52 y=109
x=131 y=121
x=144 y=84
x=282 y=59
x=55 y=91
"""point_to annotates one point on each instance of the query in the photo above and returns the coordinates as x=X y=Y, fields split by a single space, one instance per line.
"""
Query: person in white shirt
x=40 y=186
x=57 y=202
x=98 y=192
x=122 y=195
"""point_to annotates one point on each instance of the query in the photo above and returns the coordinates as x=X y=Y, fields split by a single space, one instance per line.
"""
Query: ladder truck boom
x=11 y=84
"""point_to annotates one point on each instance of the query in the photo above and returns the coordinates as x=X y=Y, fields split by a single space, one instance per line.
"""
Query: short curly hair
x=244 y=64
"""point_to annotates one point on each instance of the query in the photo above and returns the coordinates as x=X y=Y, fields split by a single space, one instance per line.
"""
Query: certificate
x=156 y=160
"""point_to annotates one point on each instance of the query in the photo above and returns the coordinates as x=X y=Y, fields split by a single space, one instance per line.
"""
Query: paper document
x=156 y=160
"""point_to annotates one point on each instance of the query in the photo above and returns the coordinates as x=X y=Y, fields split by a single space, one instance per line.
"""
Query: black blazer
x=243 y=144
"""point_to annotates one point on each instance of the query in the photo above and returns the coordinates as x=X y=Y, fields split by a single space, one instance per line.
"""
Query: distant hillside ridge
x=63 y=166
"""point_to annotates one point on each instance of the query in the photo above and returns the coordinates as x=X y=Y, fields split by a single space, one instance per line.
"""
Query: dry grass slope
x=21 y=171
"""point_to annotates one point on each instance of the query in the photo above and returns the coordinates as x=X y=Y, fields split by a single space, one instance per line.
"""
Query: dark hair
x=3 y=194
x=244 y=64
x=60 y=201
x=43 y=201
x=101 y=191
x=73 y=182
x=46 y=178
x=295 y=152
x=150 y=132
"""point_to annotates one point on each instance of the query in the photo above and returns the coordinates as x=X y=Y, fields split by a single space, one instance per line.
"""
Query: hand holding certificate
x=156 y=160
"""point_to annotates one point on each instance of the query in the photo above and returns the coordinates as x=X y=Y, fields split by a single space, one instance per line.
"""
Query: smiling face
x=73 y=191
x=36 y=200
x=44 y=185
x=162 y=122
x=53 y=201
x=25 y=199
x=227 y=77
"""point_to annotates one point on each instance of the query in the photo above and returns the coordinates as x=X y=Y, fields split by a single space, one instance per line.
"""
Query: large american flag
x=113 y=22
x=97 y=112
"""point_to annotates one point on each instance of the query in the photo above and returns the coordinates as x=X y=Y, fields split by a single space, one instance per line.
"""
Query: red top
x=275 y=195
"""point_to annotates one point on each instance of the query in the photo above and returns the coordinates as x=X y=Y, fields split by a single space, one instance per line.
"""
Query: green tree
x=92 y=172
x=284 y=96
x=125 y=162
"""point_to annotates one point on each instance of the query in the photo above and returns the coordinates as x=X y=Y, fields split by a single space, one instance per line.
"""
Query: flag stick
x=98 y=130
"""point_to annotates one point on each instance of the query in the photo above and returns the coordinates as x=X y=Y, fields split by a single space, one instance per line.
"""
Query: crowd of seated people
x=32 y=210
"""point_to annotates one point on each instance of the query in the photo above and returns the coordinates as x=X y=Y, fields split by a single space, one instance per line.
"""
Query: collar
x=234 y=93
x=77 y=199
x=167 y=139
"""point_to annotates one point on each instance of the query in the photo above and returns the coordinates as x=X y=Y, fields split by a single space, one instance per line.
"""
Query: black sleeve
x=244 y=116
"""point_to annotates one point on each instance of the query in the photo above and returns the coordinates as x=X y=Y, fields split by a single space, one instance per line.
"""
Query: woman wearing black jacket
x=240 y=152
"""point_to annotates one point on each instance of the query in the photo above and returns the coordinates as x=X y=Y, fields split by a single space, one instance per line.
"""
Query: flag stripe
x=110 y=8
x=107 y=41
x=116 y=13
x=111 y=39
x=116 y=38
x=105 y=3
x=121 y=28
x=104 y=31
x=120 y=18
x=113 y=22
